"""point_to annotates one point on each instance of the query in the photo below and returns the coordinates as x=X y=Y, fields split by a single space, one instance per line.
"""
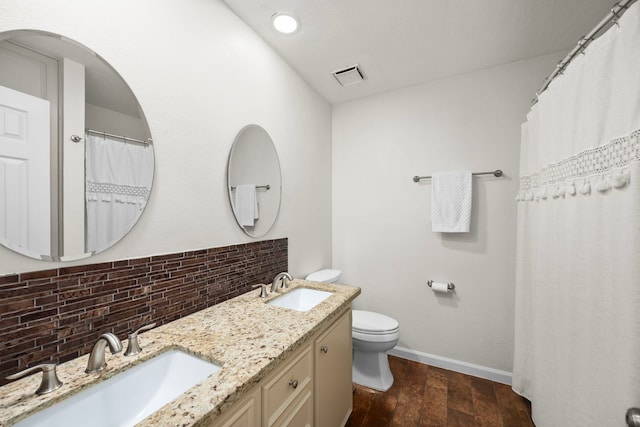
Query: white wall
x=98 y=118
x=382 y=238
x=200 y=75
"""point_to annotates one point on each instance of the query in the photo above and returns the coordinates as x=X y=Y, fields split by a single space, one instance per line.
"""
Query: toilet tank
x=326 y=275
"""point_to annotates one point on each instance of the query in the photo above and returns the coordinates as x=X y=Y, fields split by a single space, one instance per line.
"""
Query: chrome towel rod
x=266 y=187
x=124 y=138
x=497 y=173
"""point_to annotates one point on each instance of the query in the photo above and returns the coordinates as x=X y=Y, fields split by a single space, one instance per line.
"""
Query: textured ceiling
x=402 y=43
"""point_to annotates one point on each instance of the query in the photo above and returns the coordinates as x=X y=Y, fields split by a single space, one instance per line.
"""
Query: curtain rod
x=497 y=173
x=124 y=138
x=613 y=16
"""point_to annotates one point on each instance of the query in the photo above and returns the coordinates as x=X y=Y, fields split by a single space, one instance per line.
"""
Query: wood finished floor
x=423 y=395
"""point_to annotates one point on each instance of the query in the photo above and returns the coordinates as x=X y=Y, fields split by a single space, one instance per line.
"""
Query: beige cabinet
x=333 y=393
x=287 y=390
x=244 y=413
x=312 y=387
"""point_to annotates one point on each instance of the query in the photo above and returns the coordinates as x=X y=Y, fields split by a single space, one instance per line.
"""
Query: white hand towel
x=246 y=204
x=451 y=201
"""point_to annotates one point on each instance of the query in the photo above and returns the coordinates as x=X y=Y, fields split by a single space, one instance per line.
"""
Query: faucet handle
x=133 y=347
x=263 y=290
x=49 y=381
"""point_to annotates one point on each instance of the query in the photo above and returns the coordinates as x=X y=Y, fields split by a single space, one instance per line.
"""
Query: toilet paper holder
x=450 y=286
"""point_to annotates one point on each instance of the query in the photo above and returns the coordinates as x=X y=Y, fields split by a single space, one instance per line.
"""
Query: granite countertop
x=245 y=336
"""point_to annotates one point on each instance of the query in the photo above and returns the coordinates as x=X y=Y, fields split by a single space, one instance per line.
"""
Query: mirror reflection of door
x=24 y=173
x=88 y=210
x=33 y=74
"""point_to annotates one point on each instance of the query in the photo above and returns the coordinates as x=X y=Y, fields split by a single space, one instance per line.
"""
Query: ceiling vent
x=350 y=75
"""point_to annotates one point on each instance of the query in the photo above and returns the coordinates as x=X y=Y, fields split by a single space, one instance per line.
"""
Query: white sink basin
x=129 y=397
x=301 y=299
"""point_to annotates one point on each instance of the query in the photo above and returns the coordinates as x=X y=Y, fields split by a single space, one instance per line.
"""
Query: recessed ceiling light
x=285 y=23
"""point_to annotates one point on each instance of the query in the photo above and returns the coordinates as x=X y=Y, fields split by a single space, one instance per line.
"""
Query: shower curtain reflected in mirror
x=577 y=343
x=118 y=183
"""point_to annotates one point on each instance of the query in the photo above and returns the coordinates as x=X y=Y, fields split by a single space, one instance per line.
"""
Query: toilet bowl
x=373 y=334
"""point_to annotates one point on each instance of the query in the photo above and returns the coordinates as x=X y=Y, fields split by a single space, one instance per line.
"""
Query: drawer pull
x=324 y=349
x=293 y=383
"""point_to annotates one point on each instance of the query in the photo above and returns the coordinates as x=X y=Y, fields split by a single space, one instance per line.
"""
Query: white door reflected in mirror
x=93 y=126
x=24 y=173
x=254 y=181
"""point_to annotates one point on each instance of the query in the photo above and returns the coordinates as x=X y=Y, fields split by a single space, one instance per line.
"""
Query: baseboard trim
x=496 y=375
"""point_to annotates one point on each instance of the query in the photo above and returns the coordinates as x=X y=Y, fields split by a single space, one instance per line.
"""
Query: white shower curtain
x=118 y=182
x=577 y=344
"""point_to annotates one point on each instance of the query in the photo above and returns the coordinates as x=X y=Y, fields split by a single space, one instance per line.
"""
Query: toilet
x=373 y=335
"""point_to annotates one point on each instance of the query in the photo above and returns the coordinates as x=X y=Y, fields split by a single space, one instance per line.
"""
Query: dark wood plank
x=383 y=405
x=410 y=394
x=381 y=411
x=434 y=407
x=362 y=398
x=437 y=378
x=485 y=404
x=460 y=419
x=459 y=392
x=524 y=411
x=507 y=404
x=426 y=396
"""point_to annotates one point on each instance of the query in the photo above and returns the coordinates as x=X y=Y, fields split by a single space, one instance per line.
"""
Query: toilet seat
x=376 y=338
x=370 y=323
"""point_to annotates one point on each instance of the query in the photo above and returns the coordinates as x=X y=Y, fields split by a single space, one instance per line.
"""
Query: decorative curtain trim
x=606 y=165
x=108 y=192
x=123 y=190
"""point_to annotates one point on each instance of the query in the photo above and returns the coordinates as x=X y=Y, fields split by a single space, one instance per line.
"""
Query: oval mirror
x=76 y=155
x=254 y=181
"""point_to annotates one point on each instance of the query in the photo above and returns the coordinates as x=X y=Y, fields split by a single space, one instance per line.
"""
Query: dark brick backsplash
x=56 y=315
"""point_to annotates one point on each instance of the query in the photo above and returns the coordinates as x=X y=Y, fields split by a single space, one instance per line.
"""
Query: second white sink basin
x=129 y=397
x=300 y=299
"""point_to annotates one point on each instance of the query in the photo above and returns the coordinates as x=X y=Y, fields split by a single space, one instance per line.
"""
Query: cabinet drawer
x=281 y=390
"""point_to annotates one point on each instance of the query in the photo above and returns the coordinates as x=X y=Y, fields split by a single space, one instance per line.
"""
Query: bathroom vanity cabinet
x=333 y=386
x=312 y=386
x=293 y=373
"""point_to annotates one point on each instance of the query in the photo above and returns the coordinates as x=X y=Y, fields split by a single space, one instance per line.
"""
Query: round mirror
x=254 y=181
x=76 y=155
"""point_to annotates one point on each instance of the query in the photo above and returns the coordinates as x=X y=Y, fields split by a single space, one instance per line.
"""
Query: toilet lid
x=326 y=275
x=370 y=322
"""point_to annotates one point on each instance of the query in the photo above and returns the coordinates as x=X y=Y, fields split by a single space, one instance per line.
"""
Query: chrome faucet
x=96 y=359
x=280 y=282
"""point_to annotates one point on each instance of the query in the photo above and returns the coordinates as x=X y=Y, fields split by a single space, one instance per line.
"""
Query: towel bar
x=497 y=173
x=266 y=187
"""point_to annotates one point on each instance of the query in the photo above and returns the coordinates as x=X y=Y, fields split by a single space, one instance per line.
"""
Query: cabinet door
x=245 y=413
x=333 y=386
